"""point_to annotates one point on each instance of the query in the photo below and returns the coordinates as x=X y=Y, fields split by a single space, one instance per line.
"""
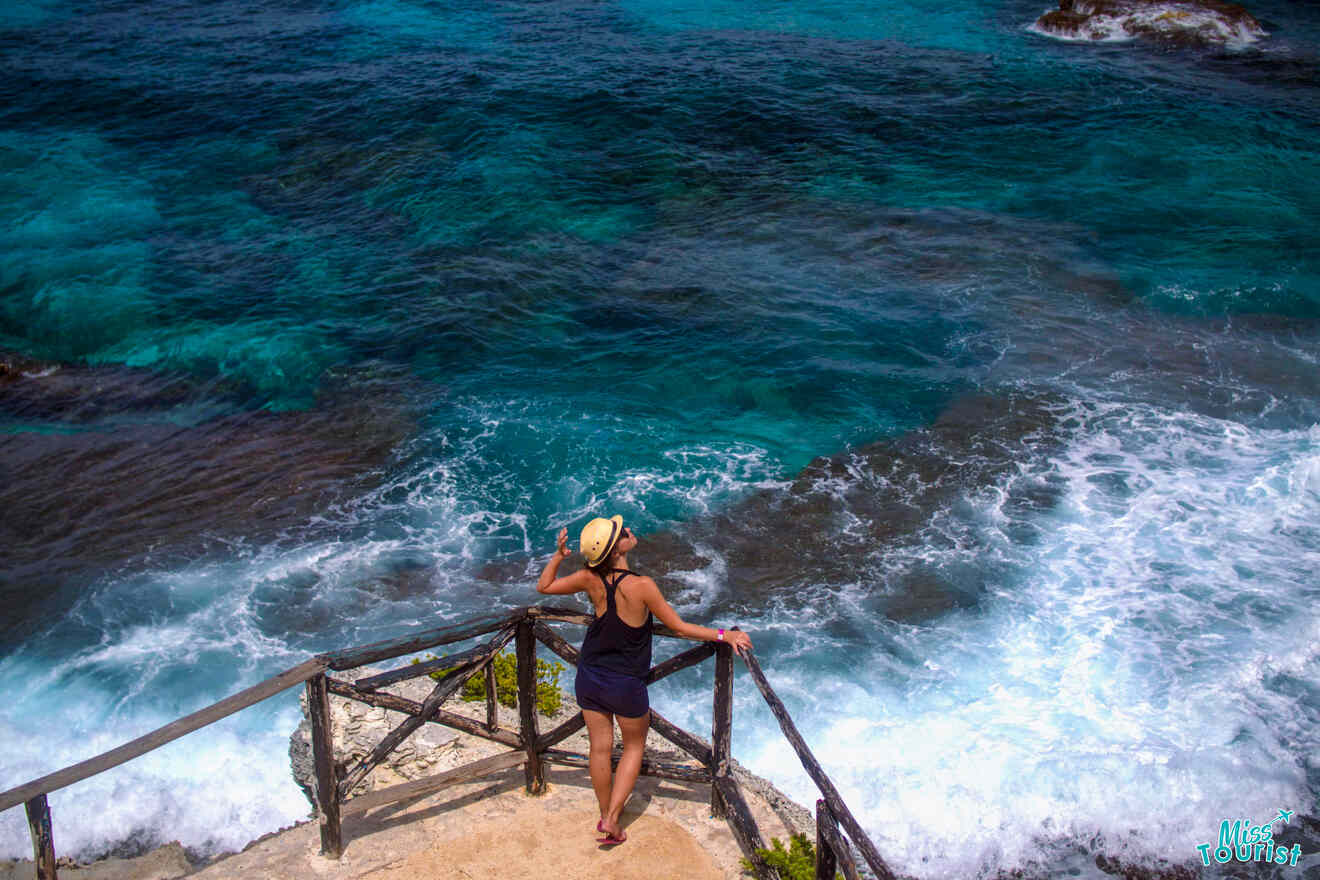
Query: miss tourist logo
x=1245 y=842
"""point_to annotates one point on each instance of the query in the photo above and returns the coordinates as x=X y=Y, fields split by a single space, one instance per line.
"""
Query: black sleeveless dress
x=615 y=658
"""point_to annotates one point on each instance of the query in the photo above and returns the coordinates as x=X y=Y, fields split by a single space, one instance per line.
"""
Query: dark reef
x=1178 y=22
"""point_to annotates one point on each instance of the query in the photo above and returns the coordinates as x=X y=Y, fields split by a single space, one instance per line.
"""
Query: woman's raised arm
x=561 y=586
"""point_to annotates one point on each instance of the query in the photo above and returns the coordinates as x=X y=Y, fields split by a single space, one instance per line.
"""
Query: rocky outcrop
x=1180 y=22
x=164 y=863
x=356 y=728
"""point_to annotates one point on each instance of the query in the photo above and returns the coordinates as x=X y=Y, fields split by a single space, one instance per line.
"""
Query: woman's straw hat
x=599 y=537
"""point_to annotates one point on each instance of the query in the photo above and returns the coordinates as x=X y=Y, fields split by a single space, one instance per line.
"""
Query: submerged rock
x=846 y=512
x=107 y=467
x=38 y=390
x=1184 y=22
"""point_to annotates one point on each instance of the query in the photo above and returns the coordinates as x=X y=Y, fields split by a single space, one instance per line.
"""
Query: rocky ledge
x=164 y=863
x=1177 y=22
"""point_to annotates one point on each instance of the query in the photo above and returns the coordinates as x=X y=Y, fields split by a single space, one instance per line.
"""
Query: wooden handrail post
x=43 y=843
x=831 y=843
x=838 y=809
x=721 y=735
x=534 y=770
x=323 y=759
x=492 y=713
x=826 y=863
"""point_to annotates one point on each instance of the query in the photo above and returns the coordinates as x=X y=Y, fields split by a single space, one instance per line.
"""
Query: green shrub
x=798 y=862
x=549 y=696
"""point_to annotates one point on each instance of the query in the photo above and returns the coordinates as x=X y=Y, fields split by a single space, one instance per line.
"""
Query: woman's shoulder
x=582 y=579
x=639 y=582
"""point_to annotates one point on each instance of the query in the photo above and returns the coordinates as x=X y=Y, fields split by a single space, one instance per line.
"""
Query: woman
x=616 y=655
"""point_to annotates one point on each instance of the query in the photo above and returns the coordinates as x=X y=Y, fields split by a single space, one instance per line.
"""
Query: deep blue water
x=975 y=373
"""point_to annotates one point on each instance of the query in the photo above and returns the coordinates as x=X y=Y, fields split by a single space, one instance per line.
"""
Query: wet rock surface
x=1179 y=22
x=35 y=389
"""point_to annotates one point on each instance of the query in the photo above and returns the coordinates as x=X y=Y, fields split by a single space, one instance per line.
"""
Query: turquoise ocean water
x=974 y=372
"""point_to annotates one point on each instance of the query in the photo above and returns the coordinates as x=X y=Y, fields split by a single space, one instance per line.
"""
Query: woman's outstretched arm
x=561 y=586
x=656 y=602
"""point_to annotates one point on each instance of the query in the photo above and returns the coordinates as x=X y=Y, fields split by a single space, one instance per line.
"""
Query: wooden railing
x=528 y=746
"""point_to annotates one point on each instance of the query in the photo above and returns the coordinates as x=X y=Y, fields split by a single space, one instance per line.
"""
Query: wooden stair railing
x=527 y=746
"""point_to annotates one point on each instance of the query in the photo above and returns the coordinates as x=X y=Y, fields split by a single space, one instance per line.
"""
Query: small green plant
x=798 y=862
x=549 y=696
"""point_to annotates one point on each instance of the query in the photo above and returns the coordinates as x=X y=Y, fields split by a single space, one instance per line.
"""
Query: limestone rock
x=356 y=728
x=163 y=863
x=1181 y=22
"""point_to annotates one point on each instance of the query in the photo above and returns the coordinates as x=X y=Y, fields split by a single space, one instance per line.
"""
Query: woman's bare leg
x=630 y=764
x=600 y=731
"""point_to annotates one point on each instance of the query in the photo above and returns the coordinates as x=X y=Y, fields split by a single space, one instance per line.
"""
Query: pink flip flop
x=608 y=839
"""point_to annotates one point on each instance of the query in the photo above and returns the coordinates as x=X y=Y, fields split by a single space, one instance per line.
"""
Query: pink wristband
x=721 y=635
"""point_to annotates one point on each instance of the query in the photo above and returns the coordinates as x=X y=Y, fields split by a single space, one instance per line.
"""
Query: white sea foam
x=1125 y=692
x=699 y=478
x=174 y=641
x=1118 y=689
x=214 y=790
x=700 y=586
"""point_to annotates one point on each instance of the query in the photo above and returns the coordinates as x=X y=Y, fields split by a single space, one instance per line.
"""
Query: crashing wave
x=1188 y=22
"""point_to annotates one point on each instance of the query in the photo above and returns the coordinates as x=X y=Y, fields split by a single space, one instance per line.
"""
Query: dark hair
x=602 y=568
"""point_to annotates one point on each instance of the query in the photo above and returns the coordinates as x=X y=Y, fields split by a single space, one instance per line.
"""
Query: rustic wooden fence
x=528 y=746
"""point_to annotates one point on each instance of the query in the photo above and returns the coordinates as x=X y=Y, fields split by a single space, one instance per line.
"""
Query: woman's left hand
x=563 y=544
x=739 y=639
